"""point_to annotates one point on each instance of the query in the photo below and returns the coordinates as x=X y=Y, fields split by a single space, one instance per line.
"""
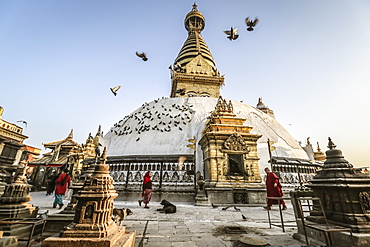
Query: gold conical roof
x=195 y=45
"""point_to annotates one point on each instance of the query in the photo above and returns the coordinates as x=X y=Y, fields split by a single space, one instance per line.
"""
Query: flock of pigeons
x=147 y=117
x=233 y=32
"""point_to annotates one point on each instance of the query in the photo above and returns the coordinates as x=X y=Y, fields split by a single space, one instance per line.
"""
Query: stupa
x=14 y=203
x=156 y=135
x=93 y=224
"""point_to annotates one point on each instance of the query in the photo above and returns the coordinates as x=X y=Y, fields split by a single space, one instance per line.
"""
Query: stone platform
x=193 y=226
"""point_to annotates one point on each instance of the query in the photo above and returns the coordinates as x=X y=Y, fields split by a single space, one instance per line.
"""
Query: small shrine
x=230 y=158
x=93 y=224
x=345 y=194
x=57 y=222
x=14 y=204
x=14 y=201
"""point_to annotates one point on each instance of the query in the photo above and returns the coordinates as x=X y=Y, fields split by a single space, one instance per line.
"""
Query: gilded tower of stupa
x=194 y=73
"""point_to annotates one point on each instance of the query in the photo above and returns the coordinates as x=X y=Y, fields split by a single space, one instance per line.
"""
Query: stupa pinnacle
x=194 y=72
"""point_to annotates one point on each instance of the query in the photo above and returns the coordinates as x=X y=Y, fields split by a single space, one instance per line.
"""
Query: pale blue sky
x=309 y=60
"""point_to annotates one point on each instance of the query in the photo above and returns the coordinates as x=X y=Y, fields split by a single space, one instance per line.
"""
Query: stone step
x=23 y=231
x=9 y=241
x=15 y=229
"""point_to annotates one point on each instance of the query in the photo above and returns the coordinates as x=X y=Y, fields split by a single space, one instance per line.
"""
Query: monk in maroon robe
x=273 y=188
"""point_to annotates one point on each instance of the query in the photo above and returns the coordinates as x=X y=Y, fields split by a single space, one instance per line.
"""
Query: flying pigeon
x=214 y=206
x=237 y=209
x=177 y=66
x=115 y=89
x=142 y=56
x=251 y=23
x=22 y=121
x=225 y=208
x=180 y=91
x=244 y=218
x=233 y=33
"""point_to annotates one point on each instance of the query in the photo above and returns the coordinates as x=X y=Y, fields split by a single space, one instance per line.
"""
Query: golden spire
x=194 y=71
x=195 y=7
x=70 y=136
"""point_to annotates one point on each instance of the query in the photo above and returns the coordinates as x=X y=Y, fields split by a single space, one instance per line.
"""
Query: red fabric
x=146 y=180
x=272 y=191
x=59 y=188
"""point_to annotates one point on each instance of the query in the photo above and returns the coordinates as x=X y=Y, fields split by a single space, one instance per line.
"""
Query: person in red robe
x=61 y=184
x=147 y=189
x=273 y=188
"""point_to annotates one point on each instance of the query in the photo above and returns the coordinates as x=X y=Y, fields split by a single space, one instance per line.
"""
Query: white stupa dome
x=163 y=127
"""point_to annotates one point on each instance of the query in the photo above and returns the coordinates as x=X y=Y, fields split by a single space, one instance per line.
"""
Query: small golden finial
x=331 y=144
x=99 y=131
x=318 y=147
x=70 y=136
x=104 y=155
x=195 y=7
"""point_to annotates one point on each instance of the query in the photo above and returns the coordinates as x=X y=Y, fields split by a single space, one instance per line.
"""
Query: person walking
x=50 y=186
x=61 y=185
x=147 y=189
x=273 y=188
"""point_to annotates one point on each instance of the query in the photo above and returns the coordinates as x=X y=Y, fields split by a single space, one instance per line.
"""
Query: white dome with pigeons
x=163 y=127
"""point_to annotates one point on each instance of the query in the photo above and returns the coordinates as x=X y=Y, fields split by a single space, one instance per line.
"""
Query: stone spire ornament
x=334 y=157
x=331 y=144
x=93 y=224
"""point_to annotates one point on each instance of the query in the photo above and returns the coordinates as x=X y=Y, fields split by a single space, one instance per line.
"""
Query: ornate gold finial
x=103 y=157
x=89 y=138
x=318 y=147
x=230 y=106
x=223 y=106
x=70 y=136
x=195 y=7
x=331 y=144
x=99 y=131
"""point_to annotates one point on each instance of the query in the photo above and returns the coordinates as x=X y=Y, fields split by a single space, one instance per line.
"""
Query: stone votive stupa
x=345 y=194
x=93 y=224
x=14 y=201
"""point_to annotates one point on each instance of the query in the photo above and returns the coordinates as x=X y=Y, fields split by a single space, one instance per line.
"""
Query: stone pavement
x=195 y=225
